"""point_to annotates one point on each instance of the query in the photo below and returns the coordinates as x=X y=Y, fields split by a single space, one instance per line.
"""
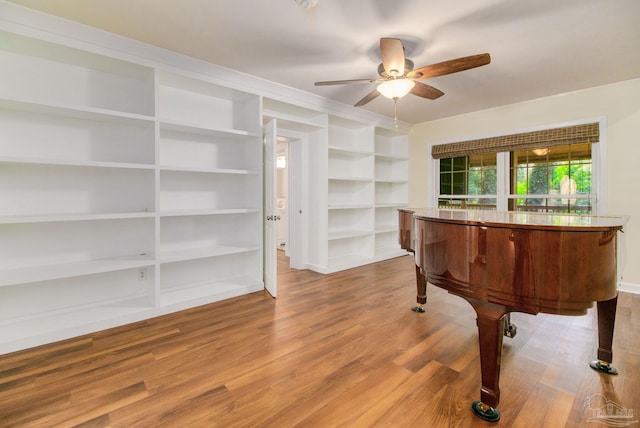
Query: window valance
x=577 y=134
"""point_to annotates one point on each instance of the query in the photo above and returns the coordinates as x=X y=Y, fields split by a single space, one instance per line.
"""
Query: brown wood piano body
x=503 y=262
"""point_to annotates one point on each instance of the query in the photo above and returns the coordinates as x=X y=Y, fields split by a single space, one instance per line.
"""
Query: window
x=541 y=171
x=468 y=182
x=556 y=179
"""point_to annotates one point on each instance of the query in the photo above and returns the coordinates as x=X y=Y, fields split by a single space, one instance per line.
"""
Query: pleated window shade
x=577 y=134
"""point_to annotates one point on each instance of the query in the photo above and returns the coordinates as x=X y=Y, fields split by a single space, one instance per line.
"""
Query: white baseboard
x=629 y=287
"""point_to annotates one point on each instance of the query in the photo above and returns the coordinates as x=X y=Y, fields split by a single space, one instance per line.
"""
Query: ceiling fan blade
x=392 y=55
x=343 y=82
x=370 y=96
x=451 y=66
x=426 y=91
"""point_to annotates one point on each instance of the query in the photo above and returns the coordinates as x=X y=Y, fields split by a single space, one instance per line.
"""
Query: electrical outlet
x=142 y=274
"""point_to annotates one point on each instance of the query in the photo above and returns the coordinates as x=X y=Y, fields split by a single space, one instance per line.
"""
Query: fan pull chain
x=395 y=114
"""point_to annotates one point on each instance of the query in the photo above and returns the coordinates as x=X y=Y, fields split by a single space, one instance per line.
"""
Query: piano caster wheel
x=484 y=412
x=604 y=367
x=510 y=330
x=418 y=308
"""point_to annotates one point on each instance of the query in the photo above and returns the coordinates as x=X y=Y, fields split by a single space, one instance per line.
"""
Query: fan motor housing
x=408 y=66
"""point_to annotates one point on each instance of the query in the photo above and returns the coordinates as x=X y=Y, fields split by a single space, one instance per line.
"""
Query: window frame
x=598 y=171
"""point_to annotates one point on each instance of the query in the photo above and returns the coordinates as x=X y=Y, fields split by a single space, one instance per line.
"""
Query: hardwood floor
x=341 y=350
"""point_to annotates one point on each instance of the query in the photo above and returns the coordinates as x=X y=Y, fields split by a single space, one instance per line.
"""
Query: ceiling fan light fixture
x=396 y=88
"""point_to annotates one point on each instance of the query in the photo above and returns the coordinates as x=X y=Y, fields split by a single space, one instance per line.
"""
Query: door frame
x=297 y=202
x=269 y=244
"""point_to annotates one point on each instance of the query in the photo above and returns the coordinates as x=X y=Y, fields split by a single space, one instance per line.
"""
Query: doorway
x=293 y=182
x=289 y=195
x=282 y=192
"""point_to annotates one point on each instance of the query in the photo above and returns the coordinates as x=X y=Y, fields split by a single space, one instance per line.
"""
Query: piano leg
x=606 y=323
x=421 y=297
x=491 y=324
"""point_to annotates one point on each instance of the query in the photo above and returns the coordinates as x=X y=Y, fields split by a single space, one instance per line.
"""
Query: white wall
x=619 y=103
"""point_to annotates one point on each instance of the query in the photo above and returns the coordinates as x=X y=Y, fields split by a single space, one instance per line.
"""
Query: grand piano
x=503 y=262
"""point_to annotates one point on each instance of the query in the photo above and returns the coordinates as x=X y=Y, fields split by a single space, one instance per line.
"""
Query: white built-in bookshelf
x=210 y=192
x=351 y=192
x=127 y=191
x=367 y=181
x=131 y=181
x=391 y=188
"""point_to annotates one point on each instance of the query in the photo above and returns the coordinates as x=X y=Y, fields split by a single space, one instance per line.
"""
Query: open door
x=270 y=209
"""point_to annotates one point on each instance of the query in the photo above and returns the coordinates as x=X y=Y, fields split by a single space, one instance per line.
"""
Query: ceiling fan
x=398 y=78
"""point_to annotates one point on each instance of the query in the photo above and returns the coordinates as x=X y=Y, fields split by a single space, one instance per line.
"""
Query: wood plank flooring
x=340 y=350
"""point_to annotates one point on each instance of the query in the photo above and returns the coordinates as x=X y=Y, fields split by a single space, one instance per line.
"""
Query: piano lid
x=523 y=219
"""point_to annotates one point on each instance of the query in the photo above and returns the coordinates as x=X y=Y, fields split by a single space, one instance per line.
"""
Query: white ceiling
x=538 y=47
